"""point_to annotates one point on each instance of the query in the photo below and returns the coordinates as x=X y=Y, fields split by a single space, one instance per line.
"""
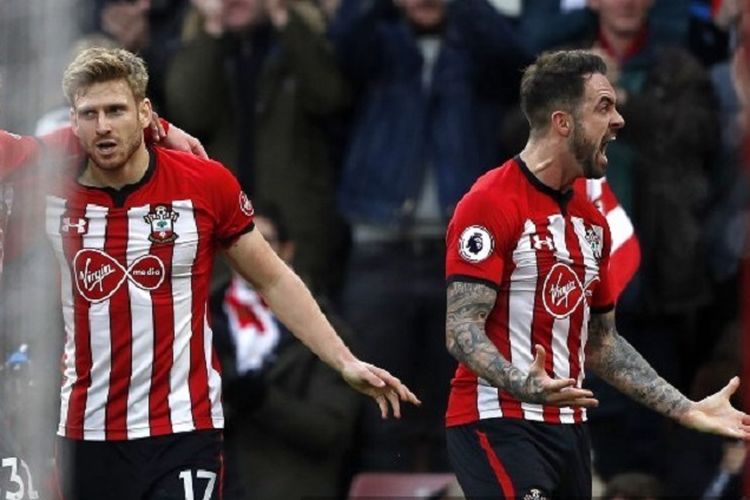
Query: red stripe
x=198 y=378
x=575 y=319
x=120 y=330
x=72 y=243
x=160 y=417
x=506 y=485
x=623 y=263
x=542 y=322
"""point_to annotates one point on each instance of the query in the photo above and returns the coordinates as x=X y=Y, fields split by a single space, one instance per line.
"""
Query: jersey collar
x=561 y=197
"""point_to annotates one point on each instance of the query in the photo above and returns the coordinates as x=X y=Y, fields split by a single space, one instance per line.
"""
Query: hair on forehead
x=556 y=81
x=98 y=65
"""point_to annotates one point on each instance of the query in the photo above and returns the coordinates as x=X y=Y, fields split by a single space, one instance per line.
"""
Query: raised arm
x=293 y=304
x=613 y=359
x=469 y=305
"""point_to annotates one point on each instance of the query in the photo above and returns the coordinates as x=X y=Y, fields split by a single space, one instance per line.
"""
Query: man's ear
x=73 y=121
x=562 y=123
x=144 y=112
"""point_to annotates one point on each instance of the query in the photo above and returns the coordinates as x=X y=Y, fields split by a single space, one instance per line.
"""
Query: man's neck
x=548 y=163
x=130 y=173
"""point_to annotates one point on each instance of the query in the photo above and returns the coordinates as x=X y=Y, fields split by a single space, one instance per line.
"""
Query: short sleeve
x=234 y=211
x=477 y=239
x=603 y=299
x=16 y=153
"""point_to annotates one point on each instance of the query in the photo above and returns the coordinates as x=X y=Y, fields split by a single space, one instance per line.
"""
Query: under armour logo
x=543 y=242
x=80 y=224
x=98 y=275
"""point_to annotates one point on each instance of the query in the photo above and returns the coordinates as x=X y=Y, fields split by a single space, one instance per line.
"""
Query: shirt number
x=187 y=482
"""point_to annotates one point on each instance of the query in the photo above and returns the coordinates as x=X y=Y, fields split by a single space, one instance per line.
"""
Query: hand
x=715 y=414
x=179 y=140
x=380 y=385
x=543 y=389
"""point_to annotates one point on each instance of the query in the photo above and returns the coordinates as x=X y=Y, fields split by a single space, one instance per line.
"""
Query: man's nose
x=103 y=125
x=618 y=121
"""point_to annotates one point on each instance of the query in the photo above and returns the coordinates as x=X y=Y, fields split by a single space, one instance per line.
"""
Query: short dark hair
x=272 y=212
x=556 y=81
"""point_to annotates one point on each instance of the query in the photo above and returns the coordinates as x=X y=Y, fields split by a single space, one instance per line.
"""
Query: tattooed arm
x=613 y=359
x=469 y=305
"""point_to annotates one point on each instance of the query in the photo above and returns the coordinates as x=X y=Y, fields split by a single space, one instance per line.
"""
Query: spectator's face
x=595 y=124
x=239 y=15
x=283 y=249
x=622 y=17
x=424 y=14
x=109 y=122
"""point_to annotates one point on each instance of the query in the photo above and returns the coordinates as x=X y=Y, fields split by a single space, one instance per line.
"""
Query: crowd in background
x=356 y=126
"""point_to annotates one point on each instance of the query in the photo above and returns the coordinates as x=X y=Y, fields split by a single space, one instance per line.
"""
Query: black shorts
x=183 y=466
x=510 y=458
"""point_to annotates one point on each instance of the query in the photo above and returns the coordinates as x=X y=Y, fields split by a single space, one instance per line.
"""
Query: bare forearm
x=294 y=306
x=469 y=305
x=617 y=362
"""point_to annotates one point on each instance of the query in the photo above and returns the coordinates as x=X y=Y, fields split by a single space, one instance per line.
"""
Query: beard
x=127 y=147
x=585 y=152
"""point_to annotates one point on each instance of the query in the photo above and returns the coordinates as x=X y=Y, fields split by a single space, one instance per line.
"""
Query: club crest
x=594 y=236
x=162 y=221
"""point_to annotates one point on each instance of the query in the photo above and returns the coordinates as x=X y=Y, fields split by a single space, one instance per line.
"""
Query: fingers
x=539 y=358
x=731 y=387
x=393 y=398
x=404 y=393
x=557 y=385
x=383 y=404
x=573 y=397
x=197 y=148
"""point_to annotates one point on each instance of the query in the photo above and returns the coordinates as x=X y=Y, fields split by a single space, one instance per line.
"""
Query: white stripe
x=94 y=423
x=55 y=209
x=561 y=327
x=488 y=403
x=521 y=309
x=594 y=188
x=142 y=328
x=620 y=227
x=214 y=377
x=183 y=259
x=592 y=271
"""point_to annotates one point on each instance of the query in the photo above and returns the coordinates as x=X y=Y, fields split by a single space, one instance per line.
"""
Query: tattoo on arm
x=613 y=359
x=469 y=305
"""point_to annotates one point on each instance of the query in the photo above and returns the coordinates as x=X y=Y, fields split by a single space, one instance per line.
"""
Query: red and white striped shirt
x=135 y=270
x=546 y=253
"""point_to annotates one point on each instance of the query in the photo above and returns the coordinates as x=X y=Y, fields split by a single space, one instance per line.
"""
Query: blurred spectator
x=434 y=80
x=256 y=84
x=632 y=486
x=290 y=417
x=150 y=28
x=698 y=464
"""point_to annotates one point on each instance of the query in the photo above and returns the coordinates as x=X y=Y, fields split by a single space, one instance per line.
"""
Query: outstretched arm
x=469 y=305
x=292 y=303
x=613 y=359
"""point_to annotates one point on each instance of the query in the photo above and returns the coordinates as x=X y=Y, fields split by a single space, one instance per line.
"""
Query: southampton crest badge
x=594 y=237
x=162 y=221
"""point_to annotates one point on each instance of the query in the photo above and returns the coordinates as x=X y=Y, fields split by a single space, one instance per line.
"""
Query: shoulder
x=496 y=191
x=187 y=164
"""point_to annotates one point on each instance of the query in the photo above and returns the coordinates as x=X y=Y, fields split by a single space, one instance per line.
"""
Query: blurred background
x=356 y=125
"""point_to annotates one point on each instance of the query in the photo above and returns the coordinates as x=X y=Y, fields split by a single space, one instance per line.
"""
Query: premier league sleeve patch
x=475 y=244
